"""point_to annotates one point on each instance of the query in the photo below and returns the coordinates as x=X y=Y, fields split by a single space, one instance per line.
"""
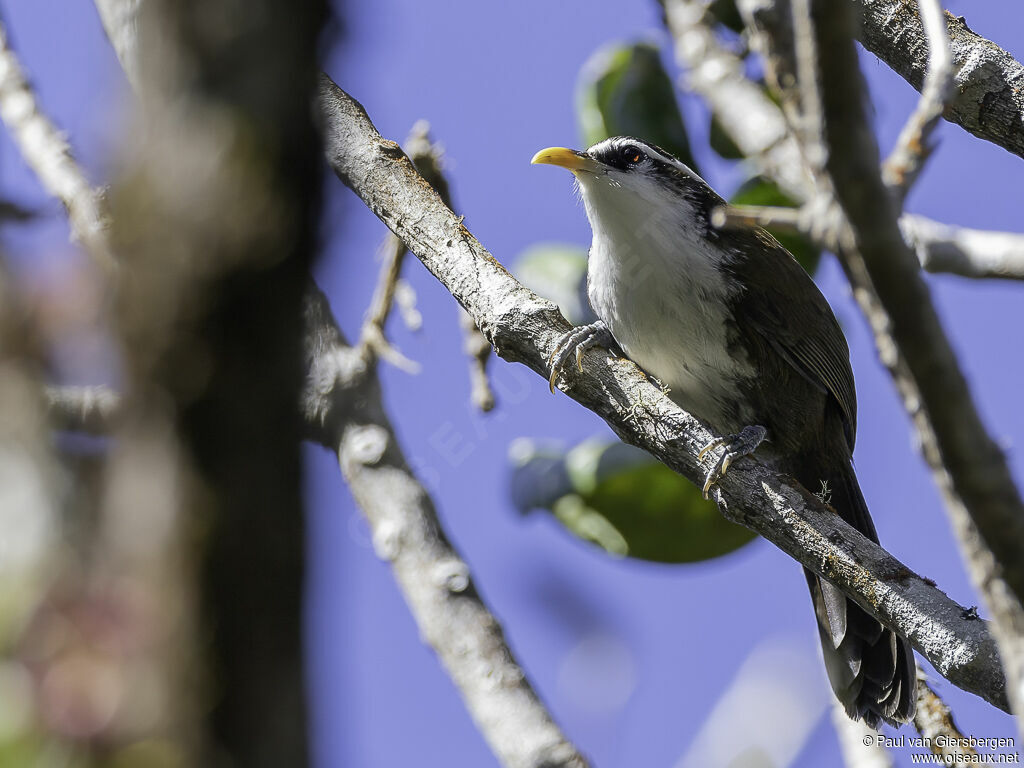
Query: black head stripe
x=620 y=152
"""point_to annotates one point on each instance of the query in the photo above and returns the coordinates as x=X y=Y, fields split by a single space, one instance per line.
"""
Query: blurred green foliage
x=558 y=271
x=623 y=500
x=624 y=90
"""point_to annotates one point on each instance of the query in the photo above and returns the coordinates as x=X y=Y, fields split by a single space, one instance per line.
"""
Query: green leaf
x=619 y=498
x=761 y=191
x=624 y=90
x=558 y=271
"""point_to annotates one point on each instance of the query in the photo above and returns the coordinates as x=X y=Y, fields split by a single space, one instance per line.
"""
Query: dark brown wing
x=782 y=304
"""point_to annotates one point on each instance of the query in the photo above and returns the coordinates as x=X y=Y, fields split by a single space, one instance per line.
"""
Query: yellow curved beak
x=569 y=159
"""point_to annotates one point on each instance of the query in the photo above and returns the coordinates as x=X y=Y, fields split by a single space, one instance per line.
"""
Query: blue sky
x=631 y=657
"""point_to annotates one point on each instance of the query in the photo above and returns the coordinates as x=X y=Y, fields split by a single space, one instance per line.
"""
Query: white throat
x=655 y=280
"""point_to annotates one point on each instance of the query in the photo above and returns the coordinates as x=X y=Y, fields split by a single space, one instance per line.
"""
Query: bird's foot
x=736 y=446
x=578 y=341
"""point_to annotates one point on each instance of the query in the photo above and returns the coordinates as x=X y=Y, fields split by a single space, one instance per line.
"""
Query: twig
x=934 y=722
x=768 y=216
x=48 y=154
x=718 y=76
x=426 y=156
x=756 y=125
x=987 y=99
x=524 y=328
x=93 y=410
x=343 y=398
x=970 y=469
x=479 y=351
x=912 y=148
x=940 y=248
x=372 y=340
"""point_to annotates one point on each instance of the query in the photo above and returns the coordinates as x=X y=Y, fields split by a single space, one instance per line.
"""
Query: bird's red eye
x=632 y=154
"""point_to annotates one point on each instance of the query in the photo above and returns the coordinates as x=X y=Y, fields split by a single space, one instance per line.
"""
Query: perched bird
x=740 y=335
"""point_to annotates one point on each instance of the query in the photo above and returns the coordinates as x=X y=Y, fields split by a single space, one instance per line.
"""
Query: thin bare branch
x=768 y=216
x=987 y=99
x=940 y=248
x=48 y=154
x=372 y=340
x=343 y=397
x=426 y=156
x=478 y=349
x=754 y=123
x=912 y=148
x=524 y=328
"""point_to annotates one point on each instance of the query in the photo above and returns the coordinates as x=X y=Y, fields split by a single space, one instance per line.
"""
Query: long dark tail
x=871 y=669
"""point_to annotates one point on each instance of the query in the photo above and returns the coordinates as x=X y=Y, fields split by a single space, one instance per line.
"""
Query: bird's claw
x=736 y=446
x=577 y=342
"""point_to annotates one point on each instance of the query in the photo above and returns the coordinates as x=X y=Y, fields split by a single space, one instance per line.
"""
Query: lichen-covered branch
x=988 y=94
x=47 y=152
x=934 y=722
x=524 y=328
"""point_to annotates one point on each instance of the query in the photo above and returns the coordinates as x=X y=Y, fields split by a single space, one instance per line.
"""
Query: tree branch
x=934 y=722
x=981 y=497
x=524 y=328
x=342 y=399
x=988 y=97
x=757 y=126
x=907 y=158
x=48 y=154
x=962 y=251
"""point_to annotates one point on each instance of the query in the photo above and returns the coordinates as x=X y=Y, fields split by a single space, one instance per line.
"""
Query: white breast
x=657 y=288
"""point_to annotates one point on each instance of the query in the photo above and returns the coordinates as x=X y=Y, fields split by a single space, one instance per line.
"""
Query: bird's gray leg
x=736 y=446
x=578 y=340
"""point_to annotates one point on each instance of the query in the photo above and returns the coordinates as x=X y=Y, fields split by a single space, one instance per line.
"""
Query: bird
x=739 y=335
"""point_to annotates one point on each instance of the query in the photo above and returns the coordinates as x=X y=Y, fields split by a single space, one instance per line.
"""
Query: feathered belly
x=680 y=337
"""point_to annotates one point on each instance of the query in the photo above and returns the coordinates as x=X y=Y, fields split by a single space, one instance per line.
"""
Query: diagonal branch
x=524 y=328
x=988 y=97
x=343 y=399
x=47 y=153
x=970 y=469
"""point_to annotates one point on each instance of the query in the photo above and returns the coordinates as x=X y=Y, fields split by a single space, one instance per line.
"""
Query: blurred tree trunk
x=215 y=223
